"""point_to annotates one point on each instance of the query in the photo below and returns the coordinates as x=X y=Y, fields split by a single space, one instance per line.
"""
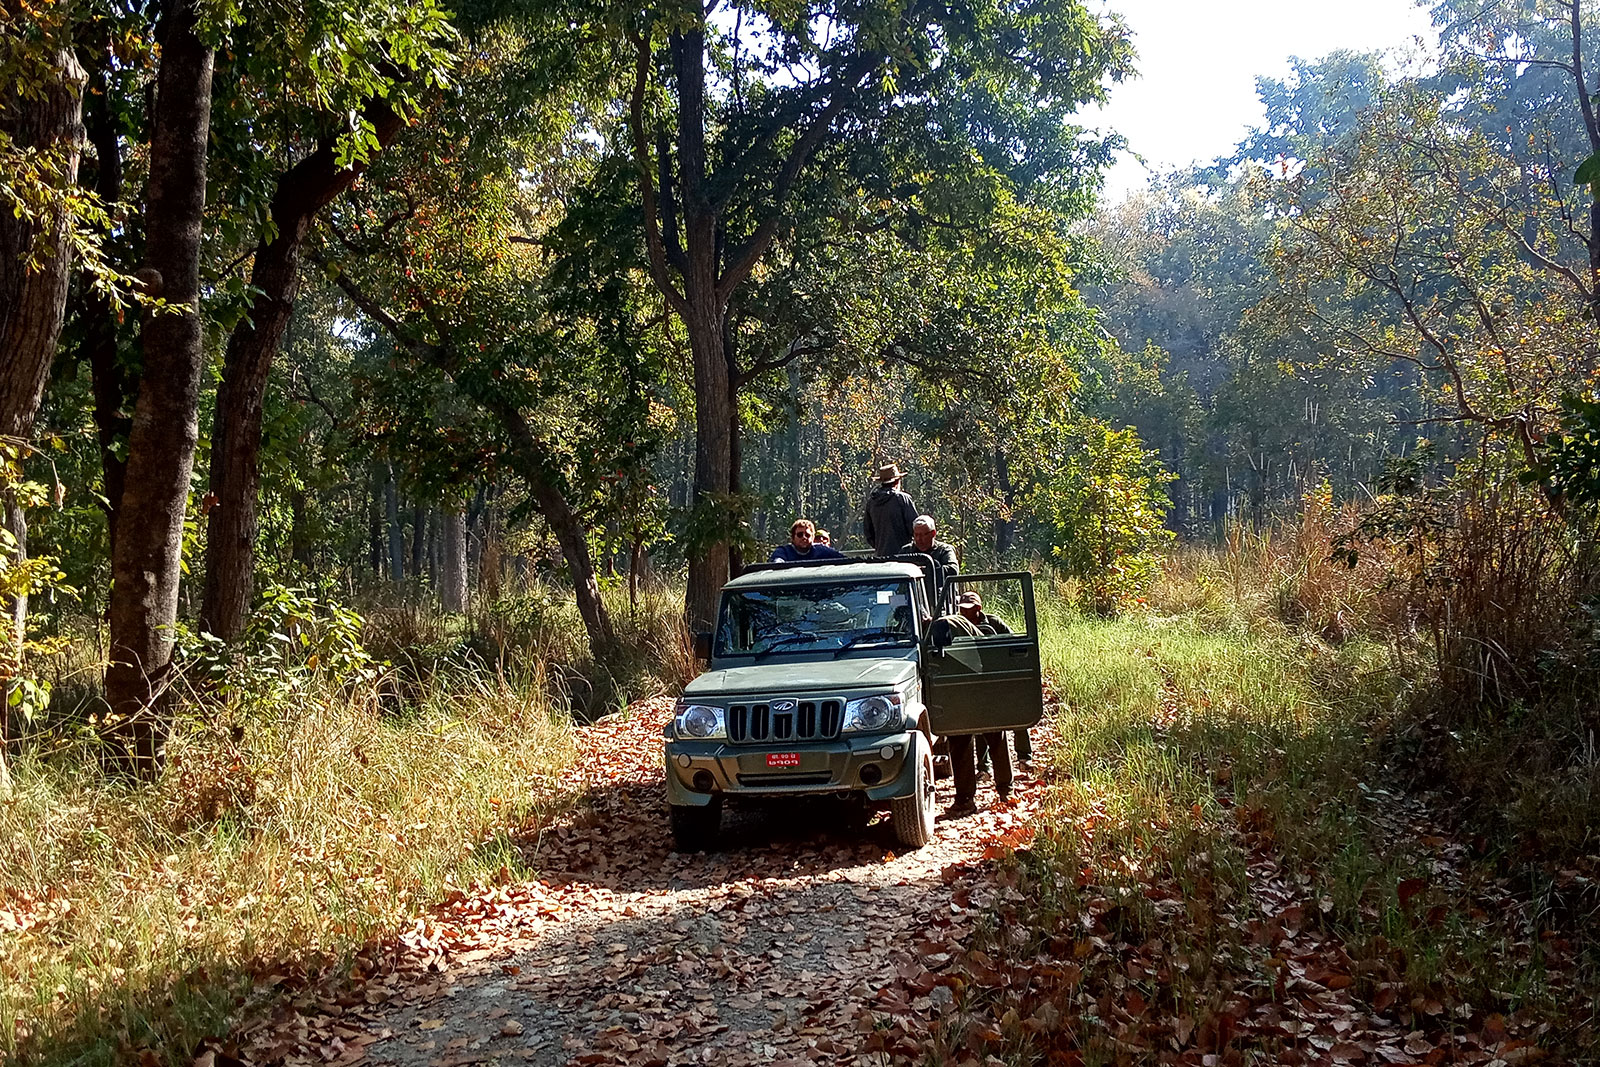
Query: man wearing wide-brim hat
x=888 y=515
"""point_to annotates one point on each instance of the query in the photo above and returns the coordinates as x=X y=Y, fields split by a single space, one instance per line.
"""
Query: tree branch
x=1576 y=70
x=647 y=183
x=437 y=355
x=795 y=350
x=747 y=256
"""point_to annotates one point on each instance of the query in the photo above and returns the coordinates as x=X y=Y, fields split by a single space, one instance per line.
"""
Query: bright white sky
x=1195 y=95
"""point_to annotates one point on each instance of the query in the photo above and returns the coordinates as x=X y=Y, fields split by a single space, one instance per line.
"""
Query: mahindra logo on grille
x=782 y=706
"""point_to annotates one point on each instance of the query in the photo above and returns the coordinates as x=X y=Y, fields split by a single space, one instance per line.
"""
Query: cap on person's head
x=925 y=522
x=969 y=599
x=823 y=535
x=890 y=473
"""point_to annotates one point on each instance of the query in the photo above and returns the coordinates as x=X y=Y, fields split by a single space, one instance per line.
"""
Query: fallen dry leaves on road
x=799 y=942
x=803 y=943
x=1175 y=967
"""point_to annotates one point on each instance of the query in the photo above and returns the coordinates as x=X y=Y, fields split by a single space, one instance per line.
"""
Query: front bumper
x=822 y=767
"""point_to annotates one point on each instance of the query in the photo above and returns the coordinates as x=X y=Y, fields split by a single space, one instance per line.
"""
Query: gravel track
x=790 y=944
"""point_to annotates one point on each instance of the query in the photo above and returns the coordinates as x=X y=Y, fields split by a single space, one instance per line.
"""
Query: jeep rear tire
x=913 y=815
x=695 y=829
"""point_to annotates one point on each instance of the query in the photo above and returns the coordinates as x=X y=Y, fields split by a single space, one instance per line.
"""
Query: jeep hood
x=790 y=676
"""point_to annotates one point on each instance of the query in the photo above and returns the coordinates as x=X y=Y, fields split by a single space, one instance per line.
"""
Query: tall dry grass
x=1487 y=601
x=1291 y=572
x=132 y=917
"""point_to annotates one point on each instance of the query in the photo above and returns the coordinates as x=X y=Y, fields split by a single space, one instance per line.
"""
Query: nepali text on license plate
x=783 y=759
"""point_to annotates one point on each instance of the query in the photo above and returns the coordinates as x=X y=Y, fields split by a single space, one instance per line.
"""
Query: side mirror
x=940 y=635
x=702 y=646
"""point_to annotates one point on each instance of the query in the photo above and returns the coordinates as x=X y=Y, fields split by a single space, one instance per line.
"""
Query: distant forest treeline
x=1393 y=274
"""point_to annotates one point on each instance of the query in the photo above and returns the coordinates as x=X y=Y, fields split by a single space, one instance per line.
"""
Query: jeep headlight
x=701 y=721
x=873 y=713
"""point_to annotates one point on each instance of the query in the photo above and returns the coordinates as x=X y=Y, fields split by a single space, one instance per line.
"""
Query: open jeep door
x=973 y=685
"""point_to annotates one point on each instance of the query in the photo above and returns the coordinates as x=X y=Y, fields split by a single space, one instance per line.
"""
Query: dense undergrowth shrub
x=1499 y=594
x=1486 y=600
x=537 y=625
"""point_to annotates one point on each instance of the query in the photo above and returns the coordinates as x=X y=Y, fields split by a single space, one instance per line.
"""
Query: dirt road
x=796 y=943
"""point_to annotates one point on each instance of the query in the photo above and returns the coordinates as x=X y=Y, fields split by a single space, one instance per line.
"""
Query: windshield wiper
x=869 y=635
x=788 y=639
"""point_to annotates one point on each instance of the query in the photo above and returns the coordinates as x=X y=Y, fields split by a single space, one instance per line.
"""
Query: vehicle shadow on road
x=618 y=837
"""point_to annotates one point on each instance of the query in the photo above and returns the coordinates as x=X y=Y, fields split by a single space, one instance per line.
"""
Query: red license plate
x=783 y=759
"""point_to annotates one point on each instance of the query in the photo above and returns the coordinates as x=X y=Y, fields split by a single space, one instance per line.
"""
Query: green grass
x=1162 y=714
x=327 y=824
x=293 y=824
x=1188 y=739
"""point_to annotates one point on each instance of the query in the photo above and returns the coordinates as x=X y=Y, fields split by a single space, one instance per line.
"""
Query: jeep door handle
x=1018 y=653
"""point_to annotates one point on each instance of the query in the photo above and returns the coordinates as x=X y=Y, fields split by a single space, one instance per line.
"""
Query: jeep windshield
x=816 y=617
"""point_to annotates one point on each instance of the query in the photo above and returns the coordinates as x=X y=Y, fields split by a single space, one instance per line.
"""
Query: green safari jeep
x=832 y=678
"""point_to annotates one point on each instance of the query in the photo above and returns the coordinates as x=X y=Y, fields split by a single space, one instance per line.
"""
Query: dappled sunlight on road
x=797 y=940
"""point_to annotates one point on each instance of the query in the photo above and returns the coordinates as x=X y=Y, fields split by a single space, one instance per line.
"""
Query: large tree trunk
x=705 y=323
x=397 y=536
x=35 y=268
x=453 y=569
x=236 y=437
x=166 y=422
x=713 y=463
x=36 y=258
x=112 y=384
x=730 y=354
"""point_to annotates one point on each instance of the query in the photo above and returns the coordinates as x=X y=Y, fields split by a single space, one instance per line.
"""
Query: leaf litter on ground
x=802 y=943
x=799 y=942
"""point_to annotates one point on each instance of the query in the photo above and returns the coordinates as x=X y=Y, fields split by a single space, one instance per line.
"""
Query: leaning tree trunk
x=302 y=191
x=35 y=267
x=529 y=458
x=166 y=421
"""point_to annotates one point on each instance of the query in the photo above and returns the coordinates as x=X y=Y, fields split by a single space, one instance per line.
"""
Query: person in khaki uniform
x=963 y=767
x=970 y=605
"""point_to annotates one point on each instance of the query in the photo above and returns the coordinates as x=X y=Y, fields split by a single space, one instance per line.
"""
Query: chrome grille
x=785 y=720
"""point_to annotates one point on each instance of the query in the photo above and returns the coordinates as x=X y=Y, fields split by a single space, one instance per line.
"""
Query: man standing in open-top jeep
x=886 y=523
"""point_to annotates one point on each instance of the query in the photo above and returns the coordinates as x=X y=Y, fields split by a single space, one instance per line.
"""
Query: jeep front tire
x=913 y=815
x=695 y=829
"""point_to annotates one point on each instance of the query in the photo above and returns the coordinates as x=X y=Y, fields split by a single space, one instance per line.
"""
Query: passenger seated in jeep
x=802 y=545
x=970 y=605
